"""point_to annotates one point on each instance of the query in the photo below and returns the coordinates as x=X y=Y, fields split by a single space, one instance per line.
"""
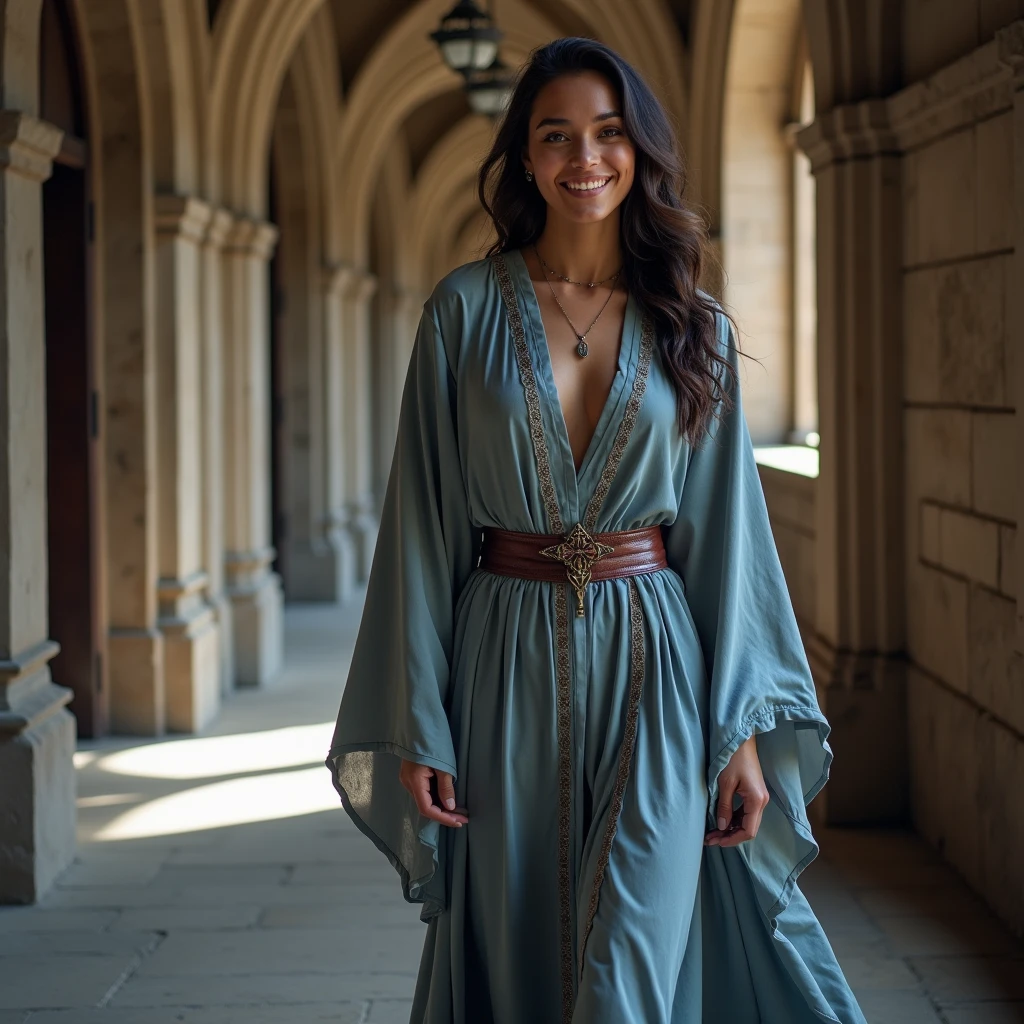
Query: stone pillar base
x=191 y=658
x=257 y=612
x=137 y=699
x=864 y=698
x=37 y=794
x=321 y=570
x=220 y=606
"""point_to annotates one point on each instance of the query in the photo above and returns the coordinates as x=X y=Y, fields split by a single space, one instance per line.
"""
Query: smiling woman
x=578 y=675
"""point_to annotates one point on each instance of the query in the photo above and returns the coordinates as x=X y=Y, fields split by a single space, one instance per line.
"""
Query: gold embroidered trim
x=636 y=681
x=529 y=378
x=563 y=701
x=563 y=673
x=625 y=427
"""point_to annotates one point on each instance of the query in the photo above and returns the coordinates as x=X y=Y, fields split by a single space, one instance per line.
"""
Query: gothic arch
x=405 y=71
x=304 y=125
x=253 y=44
x=447 y=178
x=174 y=53
x=644 y=33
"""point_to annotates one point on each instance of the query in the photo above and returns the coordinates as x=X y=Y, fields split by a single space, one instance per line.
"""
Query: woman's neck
x=583 y=252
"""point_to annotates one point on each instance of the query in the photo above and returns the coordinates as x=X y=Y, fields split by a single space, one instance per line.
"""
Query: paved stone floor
x=219 y=882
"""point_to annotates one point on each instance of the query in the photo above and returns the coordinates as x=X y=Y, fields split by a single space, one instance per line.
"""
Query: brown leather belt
x=577 y=557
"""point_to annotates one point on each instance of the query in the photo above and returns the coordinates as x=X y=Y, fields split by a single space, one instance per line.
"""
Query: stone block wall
x=791 y=509
x=965 y=686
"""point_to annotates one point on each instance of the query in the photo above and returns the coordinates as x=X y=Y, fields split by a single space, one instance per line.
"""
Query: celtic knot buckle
x=578 y=551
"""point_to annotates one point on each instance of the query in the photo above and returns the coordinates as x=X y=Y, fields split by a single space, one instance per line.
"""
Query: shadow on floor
x=218 y=882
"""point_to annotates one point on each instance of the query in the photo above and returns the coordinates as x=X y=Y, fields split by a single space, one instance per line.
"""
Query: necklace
x=569 y=280
x=581 y=339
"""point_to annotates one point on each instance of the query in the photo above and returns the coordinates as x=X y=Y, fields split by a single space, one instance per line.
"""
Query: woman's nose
x=584 y=153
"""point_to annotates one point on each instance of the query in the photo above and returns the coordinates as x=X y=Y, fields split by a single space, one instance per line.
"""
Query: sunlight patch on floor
x=222 y=804
x=210 y=756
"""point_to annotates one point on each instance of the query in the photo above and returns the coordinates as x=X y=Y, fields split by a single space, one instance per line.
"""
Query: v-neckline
x=627 y=345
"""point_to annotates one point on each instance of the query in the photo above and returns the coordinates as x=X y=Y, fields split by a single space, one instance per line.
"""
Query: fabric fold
x=426 y=549
x=577 y=848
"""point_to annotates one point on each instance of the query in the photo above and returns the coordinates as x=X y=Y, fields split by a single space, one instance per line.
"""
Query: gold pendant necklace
x=581 y=339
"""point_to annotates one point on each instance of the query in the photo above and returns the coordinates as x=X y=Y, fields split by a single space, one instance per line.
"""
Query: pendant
x=581 y=348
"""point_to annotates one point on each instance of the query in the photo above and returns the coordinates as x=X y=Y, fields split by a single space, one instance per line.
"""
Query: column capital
x=251 y=238
x=350 y=282
x=218 y=228
x=1010 y=44
x=182 y=216
x=847 y=132
x=28 y=145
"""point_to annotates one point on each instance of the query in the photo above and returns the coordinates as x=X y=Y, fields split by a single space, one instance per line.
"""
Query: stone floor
x=218 y=882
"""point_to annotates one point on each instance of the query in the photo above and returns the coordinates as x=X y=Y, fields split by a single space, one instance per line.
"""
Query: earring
x=529 y=175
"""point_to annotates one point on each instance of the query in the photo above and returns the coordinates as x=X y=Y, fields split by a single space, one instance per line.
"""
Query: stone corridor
x=219 y=882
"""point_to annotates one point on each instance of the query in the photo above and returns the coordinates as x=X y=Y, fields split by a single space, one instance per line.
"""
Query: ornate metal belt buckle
x=578 y=551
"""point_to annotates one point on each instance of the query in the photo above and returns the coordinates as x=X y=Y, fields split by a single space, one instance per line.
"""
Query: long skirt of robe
x=586 y=749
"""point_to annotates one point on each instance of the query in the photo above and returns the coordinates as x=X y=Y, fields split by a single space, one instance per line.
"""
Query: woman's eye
x=555 y=137
x=611 y=131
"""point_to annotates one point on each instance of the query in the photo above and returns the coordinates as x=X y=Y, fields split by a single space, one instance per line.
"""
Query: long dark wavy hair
x=664 y=242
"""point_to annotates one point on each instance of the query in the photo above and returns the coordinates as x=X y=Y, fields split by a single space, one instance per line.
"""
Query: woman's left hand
x=741 y=775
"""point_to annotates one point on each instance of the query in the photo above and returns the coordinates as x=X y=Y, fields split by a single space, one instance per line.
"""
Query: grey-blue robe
x=586 y=750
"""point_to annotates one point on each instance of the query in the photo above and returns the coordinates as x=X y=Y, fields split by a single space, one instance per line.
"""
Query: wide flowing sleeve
x=721 y=545
x=762 y=941
x=394 y=703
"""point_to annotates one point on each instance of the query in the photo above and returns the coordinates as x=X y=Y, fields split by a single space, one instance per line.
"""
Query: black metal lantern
x=490 y=89
x=468 y=38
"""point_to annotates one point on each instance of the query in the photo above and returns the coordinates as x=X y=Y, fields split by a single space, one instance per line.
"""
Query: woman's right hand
x=416 y=778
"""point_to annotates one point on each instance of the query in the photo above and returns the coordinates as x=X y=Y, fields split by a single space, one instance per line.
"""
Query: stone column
x=320 y=561
x=37 y=733
x=356 y=289
x=254 y=590
x=398 y=320
x=212 y=448
x=337 y=447
x=857 y=654
x=186 y=620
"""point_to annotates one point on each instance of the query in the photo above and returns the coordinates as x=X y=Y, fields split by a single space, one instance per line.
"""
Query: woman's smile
x=586 y=186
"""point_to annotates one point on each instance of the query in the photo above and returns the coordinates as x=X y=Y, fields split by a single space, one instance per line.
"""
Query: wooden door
x=74 y=533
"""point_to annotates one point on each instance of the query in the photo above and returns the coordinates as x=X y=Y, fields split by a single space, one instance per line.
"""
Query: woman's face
x=578 y=150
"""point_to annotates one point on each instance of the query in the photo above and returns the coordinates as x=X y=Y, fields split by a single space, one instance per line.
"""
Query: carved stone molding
x=251 y=238
x=978 y=85
x=848 y=132
x=182 y=217
x=28 y=145
x=1010 y=47
x=349 y=282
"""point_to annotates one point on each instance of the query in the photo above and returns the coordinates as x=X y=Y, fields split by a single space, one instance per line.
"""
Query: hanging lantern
x=489 y=89
x=468 y=38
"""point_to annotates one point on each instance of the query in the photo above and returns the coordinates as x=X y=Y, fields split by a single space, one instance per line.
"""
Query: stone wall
x=791 y=508
x=965 y=691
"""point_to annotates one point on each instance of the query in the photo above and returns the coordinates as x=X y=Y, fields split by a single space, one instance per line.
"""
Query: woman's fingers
x=727 y=787
x=416 y=779
x=445 y=790
x=741 y=835
x=742 y=825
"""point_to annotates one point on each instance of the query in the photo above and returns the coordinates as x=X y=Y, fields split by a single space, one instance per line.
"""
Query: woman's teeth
x=586 y=186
